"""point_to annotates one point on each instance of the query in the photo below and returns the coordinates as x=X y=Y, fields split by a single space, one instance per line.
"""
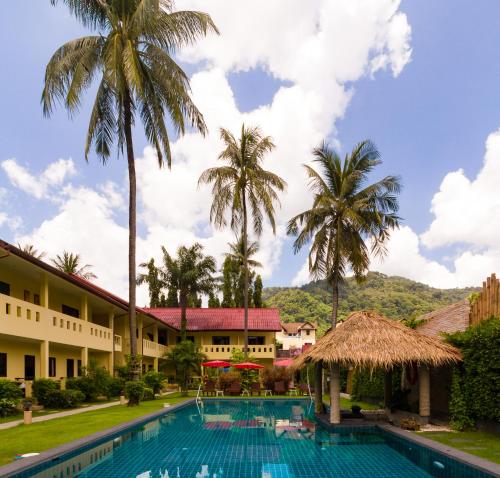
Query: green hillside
x=394 y=297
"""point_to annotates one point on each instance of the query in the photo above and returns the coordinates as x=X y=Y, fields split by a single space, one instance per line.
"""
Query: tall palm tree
x=132 y=55
x=31 y=250
x=71 y=264
x=347 y=211
x=237 y=253
x=241 y=186
x=191 y=273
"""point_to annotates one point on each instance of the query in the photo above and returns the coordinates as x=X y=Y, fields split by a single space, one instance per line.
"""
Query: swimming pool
x=250 y=439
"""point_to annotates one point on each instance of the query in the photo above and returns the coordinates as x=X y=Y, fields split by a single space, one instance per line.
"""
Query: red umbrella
x=283 y=362
x=216 y=364
x=248 y=365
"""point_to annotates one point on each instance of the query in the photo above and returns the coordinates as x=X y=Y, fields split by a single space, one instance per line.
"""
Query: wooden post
x=388 y=389
x=318 y=387
x=424 y=391
x=335 y=393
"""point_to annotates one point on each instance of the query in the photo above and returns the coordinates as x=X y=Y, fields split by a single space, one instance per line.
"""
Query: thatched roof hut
x=367 y=339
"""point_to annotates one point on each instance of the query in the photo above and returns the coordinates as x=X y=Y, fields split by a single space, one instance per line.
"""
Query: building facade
x=293 y=336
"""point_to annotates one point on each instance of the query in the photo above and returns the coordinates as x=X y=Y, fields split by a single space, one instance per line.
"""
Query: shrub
x=134 y=391
x=86 y=385
x=148 y=394
x=7 y=407
x=42 y=387
x=409 y=424
x=368 y=385
x=154 y=380
x=115 y=387
x=226 y=379
x=10 y=390
x=270 y=375
x=64 y=398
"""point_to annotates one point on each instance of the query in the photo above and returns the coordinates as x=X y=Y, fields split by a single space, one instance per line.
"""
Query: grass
x=44 y=435
x=482 y=444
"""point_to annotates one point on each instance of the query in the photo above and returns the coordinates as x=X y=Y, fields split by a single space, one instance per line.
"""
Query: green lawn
x=485 y=445
x=44 y=435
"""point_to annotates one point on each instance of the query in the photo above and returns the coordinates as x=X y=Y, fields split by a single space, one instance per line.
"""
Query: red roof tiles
x=449 y=319
x=220 y=319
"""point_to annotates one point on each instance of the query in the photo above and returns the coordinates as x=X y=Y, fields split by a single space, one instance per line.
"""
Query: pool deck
x=55 y=453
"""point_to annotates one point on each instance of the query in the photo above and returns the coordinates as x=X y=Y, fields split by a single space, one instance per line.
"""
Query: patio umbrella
x=283 y=362
x=248 y=366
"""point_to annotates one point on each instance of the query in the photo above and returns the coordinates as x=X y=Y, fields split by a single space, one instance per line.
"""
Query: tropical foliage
x=347 y=211
x=155 y=286
x=131 y=56
x=72 y=264
x=393 y=297
x=32 y=251
x=246 y=191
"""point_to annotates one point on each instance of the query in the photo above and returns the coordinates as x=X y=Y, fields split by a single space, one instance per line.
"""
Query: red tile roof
x=220 y=319
x=449 y=319
x=295 y=327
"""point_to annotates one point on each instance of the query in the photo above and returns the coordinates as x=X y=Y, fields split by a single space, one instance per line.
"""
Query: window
x=70 y=368
x=36 y=299
x=256 y=340
x=52 y=366
x=220 y=340
x=4 y=288
x=3 y=364
x=27 y=296
x=308 y=332
x=79 y=365
x=71 y=311
x=29 y=367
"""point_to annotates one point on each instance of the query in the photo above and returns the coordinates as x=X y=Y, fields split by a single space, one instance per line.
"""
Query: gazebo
x=368 y=340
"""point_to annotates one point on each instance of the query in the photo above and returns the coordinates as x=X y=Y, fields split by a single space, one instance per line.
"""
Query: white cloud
x=38 y=186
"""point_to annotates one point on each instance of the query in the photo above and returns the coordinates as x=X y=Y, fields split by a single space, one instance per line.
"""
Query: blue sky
x=430 y=116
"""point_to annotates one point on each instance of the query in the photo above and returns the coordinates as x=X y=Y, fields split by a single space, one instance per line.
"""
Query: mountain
x=395 y=297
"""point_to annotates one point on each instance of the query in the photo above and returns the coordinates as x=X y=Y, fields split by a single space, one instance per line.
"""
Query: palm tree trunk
x=335 y=299
x=132 y=231
x=318 y=387
x=245 y=265
x=183 y=304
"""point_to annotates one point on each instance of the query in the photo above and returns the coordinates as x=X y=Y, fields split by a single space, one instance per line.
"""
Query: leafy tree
x=191 y=273
x=132 y=55
x=172 y=297
x=213 y=301
x=241 y=186
x=257 y=292
x=185 y=358
x=32 y=251
x=227 y=284
x=152 y=279
x=346 y=212
x=71 y=264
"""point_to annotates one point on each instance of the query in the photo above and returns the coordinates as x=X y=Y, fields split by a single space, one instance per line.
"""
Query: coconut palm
x=346 y=212
x=31 y=250
x=237 y=253
x=243 y=186
x=132 y=57
x=72 y=264
x=191 y=273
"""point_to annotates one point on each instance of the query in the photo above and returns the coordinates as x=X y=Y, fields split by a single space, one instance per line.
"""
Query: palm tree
x=237 y=253
x=152 y=279
x=191 y=273
x=32 y=251
x=240 y=184
x=346 y=212
x=71 y=264
x=138 y=79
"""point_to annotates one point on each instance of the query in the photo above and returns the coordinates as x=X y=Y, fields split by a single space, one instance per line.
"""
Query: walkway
x=67 y=413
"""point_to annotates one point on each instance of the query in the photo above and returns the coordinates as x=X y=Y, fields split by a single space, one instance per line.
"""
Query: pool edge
x=25 y=464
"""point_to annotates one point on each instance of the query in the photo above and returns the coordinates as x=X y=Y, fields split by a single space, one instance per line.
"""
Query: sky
x=420 y=79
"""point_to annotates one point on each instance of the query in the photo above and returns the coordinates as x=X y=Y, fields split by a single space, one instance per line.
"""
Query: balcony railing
x=153 y=349
x=27 y=320
x=225 y=351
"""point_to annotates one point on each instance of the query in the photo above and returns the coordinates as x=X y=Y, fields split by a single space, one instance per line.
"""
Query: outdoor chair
x=255 y=388
x=279 y=388
x=209 y=388
x=234 y=388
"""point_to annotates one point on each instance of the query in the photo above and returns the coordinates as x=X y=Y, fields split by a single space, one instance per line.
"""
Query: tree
x=191 y=273
x=152 y=279
x=32 y=251
x=172 y=297
x=185 y=358
x=243 y=184
x=346 y=212
x=227 y=283
x=213 y=301
x=71 y=264
x=257 y=292
x=138 y=80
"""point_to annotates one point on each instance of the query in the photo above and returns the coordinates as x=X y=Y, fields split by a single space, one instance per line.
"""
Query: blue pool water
x=251 y=439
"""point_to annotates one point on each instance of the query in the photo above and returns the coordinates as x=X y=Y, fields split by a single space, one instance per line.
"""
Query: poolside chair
x=209 y=388
x=255 y=388
x=279 y=388
x=234 y=388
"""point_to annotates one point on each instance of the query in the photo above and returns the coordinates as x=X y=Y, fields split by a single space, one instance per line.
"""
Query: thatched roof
x=367 y=339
